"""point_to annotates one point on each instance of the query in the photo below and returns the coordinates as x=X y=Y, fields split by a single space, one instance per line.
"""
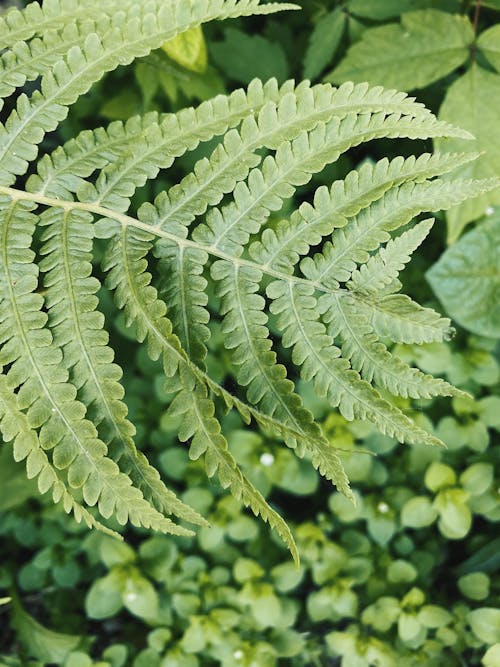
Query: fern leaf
x=20 y=25
x=73 y=75
x=281 y=248
x=43 y=387
x=200 y=425
x=28 y=60
x=292 y=165
x=183 y=287
x=63 y=171
x=400 y=319
x=365 y=232
x=267 y=386
x=14 y=426
x=126 y=265
x=77 y=328
x=296 y=112
x=383 y=268
x=321 y=361
x=372 y=359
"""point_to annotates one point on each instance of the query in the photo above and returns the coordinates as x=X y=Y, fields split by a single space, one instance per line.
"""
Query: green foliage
x=466 y=279
x=423 y=48
x=430 y=42
x=62 y=401
x=408 y=574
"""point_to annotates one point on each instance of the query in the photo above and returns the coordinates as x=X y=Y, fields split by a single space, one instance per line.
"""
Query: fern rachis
x=61 y=400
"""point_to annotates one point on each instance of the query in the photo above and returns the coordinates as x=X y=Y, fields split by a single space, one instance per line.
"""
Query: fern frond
x=201 y=427
x=383 y=268
x=142 y=140
x=313 y=351
x=77 y=328
x=14 y=426
x=296 y=112
x=267 y=385
x=74 y=74
x=367 y=231
x=26 y=61
x=61 y=400
x=20 y=25
x=183 y=287
x=400 y=319
x=281 y=248
x=43 y=387
x=366 y=354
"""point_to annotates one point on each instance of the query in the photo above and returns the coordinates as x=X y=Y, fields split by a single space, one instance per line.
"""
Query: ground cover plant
x=261 y=271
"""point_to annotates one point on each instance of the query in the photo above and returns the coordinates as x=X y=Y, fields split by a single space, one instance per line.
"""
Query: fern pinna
x=61 y=401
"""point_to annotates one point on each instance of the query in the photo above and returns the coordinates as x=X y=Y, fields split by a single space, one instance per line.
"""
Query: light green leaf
x=188 y=49
x=473 y=101
x=438 y=476
x=382 y=614
x=432 y=616
x=485 y=624
x=324 y=42
x=418 y=512
x=114 y=552
x=489 y=43
x=492 y=656
x=409 y=627
x=455 y=518
x=426 y=46
x=477 y=478
x=139 y=596
x=40 y=642
x=466 y=279
x=401 y=571
x=104 y=598
x=475 y=586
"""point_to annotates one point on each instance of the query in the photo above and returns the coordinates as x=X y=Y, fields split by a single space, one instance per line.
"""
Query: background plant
x=457 y=498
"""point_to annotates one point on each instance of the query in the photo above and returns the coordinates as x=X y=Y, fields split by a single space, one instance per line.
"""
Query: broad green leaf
x=466 y=279
x=409 y=627
x=473 y=101
x=78 y=659
x=139 y=596
x=242 y=57
x=475 y=586
x=323 y=42
x=485 y=624
x=477 y=478
x=432 y=616
x=104 y=598
x=492 y=656
x=426 y=46
x=401 y=571
x=381 y=10
x=40 y=642
x=188 y=49
x=418 y=512
x=382 y=614
x=489 y=43
x=493 y=4
x=439 y=476
x=455 y=518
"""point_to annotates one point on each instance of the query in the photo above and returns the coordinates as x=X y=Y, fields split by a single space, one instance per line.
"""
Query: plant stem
x=475 y=23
